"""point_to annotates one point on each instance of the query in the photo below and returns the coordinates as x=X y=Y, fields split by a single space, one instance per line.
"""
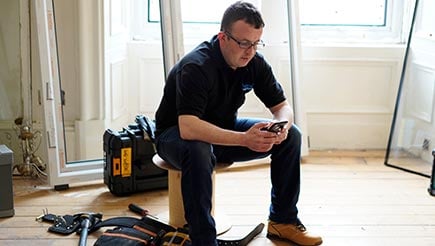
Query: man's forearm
x=282 y=111
x=193 y=128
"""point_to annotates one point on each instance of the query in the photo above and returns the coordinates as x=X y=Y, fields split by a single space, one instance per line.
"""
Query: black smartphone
x=275 y=127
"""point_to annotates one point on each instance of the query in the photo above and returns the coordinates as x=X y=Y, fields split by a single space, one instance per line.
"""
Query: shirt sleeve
x=191 y=91
x=266 y=87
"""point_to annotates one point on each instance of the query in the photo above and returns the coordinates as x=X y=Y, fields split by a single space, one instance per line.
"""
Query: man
x=197 y=125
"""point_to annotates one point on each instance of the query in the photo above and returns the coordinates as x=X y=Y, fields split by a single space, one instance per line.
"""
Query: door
x=119 y=91
x=93 y=118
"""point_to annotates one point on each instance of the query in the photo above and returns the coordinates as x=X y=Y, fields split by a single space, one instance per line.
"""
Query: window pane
x=343 y=12
x=196 y=11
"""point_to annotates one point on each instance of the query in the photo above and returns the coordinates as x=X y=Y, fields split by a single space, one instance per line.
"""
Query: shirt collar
x=217 y=53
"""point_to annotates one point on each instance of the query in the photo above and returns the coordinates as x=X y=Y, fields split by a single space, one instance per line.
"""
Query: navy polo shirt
x=202 y=84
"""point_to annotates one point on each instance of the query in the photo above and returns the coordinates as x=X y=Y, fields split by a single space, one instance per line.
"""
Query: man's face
x=229 y=41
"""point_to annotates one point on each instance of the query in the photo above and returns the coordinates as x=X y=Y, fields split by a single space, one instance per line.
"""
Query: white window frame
x=392 y=32
x=142 y=30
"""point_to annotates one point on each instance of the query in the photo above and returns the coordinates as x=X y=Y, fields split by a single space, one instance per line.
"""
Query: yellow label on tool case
x=116 y=167
x=126 y=162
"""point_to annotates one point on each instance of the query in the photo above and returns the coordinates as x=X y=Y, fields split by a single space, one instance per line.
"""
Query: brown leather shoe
x=295 y=233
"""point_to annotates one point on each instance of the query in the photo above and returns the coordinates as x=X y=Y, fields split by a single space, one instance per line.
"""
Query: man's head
x=241 y=30
x=241 y=11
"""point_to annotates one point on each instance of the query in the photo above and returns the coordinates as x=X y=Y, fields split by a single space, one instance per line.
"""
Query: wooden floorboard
x=348 y=197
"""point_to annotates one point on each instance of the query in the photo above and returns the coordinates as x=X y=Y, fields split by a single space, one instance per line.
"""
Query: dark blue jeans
x=197 y=160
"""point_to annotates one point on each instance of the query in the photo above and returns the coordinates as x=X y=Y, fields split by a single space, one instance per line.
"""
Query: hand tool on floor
x=87 y=221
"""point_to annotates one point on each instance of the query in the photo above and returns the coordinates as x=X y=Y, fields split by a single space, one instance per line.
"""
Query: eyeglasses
x=246 y=44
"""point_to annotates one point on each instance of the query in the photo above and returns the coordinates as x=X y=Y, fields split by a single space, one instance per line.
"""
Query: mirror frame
x=398 y=105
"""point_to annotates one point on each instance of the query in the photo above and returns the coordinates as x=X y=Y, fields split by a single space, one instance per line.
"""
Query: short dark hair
x=241 y=10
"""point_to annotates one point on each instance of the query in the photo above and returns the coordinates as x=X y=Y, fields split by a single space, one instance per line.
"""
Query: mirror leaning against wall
x=412 y=133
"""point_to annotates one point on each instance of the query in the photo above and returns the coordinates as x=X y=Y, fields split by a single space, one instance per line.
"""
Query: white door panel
x=118 y=90
x=88 y=132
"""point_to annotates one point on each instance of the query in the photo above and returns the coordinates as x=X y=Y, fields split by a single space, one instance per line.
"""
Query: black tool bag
x=128 y=166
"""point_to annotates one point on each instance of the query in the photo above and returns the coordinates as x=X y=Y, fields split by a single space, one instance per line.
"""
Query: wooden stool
x=176 y=207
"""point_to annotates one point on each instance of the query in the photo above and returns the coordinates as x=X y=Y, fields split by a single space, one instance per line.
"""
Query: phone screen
x=276 y=127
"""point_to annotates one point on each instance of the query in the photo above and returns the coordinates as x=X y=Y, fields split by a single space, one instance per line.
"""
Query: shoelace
x=301 y=227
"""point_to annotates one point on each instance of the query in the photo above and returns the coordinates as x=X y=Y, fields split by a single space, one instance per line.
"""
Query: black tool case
x=128 y=166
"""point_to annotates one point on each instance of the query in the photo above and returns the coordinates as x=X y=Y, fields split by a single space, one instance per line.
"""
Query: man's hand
x=261 y=140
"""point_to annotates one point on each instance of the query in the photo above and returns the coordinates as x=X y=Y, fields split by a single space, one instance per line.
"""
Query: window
x=342 y=12
x=196 y=11
x=352 y=20
x=201 y=18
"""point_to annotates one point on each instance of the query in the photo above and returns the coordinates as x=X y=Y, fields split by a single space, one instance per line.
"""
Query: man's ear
x=221 y=35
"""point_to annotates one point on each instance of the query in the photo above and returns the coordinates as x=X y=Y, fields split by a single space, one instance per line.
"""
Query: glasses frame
x=247 y=44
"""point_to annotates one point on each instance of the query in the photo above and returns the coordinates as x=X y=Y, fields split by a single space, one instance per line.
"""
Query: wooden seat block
x=176 y=208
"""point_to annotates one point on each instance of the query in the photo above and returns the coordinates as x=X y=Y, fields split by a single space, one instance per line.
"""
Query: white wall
x=349 y=94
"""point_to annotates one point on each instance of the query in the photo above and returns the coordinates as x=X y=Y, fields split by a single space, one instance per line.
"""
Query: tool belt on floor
x=125 y=231
x=148 y=230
